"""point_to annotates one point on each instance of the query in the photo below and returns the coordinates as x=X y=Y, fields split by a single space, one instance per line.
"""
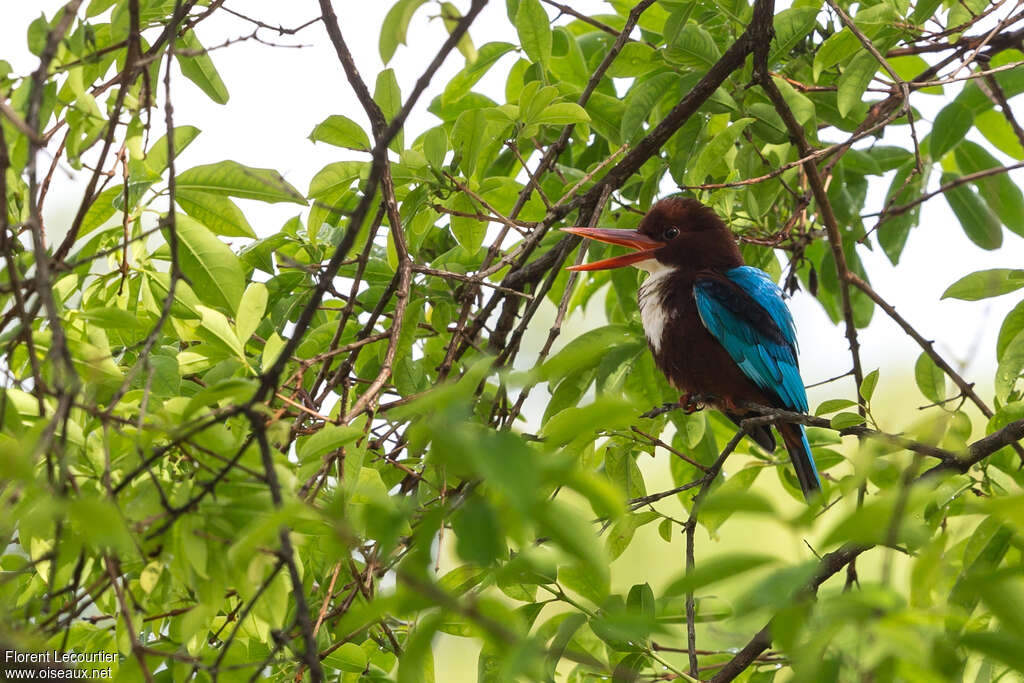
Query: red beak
x=644 y=246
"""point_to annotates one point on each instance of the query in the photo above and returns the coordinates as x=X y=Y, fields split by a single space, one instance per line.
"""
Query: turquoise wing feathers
x=747 y=313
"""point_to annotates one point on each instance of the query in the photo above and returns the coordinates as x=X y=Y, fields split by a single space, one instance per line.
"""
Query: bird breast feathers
x=653 y=313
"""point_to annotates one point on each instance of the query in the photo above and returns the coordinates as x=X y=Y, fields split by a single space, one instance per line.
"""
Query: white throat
x=652 y=313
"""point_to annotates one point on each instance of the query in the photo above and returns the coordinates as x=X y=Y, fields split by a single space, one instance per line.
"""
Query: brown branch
x=830 y=565
x=270 y=377
x=730 y=61
x=927 y=346
x=767 y=415
x=566 y=9
x=833 y=562
x=127 y=76
x=1004 y=106
x=126 y=614
x=471 y=279
x=287 y=554
x=460 y=339
x=889 y=212
x=20 y=125
x=691 y=530
x=65 y=378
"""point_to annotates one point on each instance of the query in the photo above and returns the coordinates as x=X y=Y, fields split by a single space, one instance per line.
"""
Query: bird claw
x=689 y=404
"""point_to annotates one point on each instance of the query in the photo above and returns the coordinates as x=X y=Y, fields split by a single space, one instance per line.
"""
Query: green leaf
x=478 y=534
x=923 y=10
x=156 y=157
x=894 y=230
x=621 y=467
x=641 y=600
x=867 y=387
x=984 y=552
x=1013 y=323
x=950 y=127
x=606 y=116
x=213 y=269
x=714 y=151
x=976 y=219
x=714 y=569
x=834 y=404
x=983 y=284
x=250 y=310
x=534 y=29
x=488 y=54
x=37 y=32
x=435 y=146
x=1011 y=364
x=998 y=131
x=641 y=100
x=930 y=378
x=871 y=523
x=574 y=534
x=836 y=48
x=451 y=15
x=586 y=351
x=563 y=114
x=349 y=657
x=388 y=97
x=1002 y=646
x=416 y=664
x=395 y=27
x=100 y=210
x=791 y=26
x=469 y=232
x=534 y=99
x=327 y=440
x=693 y=47
x=635 y=59
x=844 y=420
x=112 y=318
x=215 y=211
x=873 y=19
x=769 y=126
x=216 y=324
x=337 y=178
x=236 y=389
x=588 y=584
x=469 y=140
x=341 y=131
x=998 y=191
x=197 y=66
x=580 y=421
x=733 y=495
x=909 y=67
x=233 y=179
x=888 y=157
x=854 y=81
x=621 y=534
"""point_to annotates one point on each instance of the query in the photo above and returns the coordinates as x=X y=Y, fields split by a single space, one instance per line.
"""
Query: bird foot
x=689 y=404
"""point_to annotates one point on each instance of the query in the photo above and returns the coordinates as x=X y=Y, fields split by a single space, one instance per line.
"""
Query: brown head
x=676 y=233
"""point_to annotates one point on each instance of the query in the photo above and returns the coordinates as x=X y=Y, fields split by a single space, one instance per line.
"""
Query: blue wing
x=745 y=311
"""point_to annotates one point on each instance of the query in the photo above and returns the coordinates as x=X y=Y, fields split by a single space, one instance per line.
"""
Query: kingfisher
x=717 y=327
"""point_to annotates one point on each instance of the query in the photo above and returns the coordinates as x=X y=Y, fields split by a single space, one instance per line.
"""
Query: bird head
x=676 y=232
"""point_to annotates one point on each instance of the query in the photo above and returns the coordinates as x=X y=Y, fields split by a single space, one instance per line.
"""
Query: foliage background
x=167 y=583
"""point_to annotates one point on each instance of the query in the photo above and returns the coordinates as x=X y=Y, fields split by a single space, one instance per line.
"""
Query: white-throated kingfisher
x=717 y=327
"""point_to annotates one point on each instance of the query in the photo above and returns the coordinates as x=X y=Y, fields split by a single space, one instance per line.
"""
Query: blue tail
x=795 y=438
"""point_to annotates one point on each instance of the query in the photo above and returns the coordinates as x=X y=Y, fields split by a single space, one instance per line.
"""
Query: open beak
x=643 y=245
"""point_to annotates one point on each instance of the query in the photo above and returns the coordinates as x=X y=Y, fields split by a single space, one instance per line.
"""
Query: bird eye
x=671 y=233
